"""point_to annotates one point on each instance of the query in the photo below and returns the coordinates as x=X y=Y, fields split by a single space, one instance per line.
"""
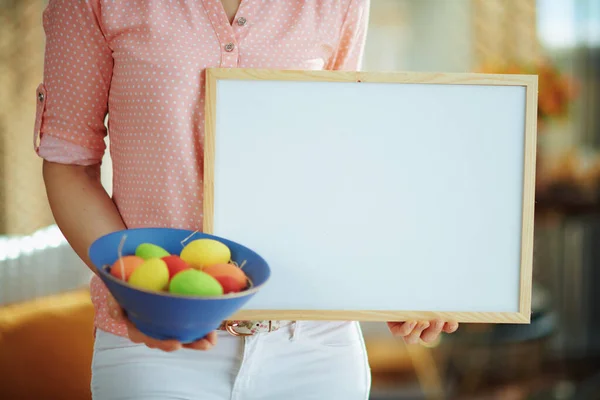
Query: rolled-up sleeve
x=351 y=47
x=72 y=100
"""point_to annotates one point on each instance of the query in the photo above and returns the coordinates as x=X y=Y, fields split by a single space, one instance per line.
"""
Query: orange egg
x=125 y=265
x=227 y=270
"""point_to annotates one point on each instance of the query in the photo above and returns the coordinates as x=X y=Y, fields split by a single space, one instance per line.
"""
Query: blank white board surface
x=375 y=199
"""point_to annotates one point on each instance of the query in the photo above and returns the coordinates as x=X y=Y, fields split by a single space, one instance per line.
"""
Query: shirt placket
x=229 y=35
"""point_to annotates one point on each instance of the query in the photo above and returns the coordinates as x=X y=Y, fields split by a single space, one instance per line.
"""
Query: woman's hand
x=427 y=331
x=116 y=312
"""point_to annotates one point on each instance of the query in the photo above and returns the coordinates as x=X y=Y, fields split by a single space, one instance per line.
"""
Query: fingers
x=450 y=327
x=431 y=334
x=415 y=335
x=201 y=344
x=117 y=313
x=402 y=328
x=205 y=343
x=427 y=331
x=212 y=338
x=138 y=337
x=114 y=309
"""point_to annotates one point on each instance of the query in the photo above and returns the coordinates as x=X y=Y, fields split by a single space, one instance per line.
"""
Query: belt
x=250 y=328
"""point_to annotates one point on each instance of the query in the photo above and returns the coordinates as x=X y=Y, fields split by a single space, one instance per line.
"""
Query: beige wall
x=23 y=203
x=423 y=35
x=504 y=30
x=450 y=35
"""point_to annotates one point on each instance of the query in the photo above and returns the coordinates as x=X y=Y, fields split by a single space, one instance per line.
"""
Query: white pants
x=304 y=360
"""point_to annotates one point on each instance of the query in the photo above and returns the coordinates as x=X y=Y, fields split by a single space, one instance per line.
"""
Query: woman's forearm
x=81 y=207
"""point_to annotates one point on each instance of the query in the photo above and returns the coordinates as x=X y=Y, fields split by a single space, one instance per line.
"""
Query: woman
x=143 y=61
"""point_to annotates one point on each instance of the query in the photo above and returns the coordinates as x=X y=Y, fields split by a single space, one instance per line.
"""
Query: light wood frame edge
x=528 y=206
x=469 y=78
x=210 y=120
x=380 y=315
x=529 y=82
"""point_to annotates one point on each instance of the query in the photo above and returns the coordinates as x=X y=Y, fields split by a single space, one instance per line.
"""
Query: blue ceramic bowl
x=166 y=315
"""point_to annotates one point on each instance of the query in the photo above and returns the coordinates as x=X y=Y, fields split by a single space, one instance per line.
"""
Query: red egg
x=175 y=265
x=230 y=284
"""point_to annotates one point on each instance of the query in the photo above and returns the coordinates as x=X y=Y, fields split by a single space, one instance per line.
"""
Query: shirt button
x=41 y=96
x=229 y=47
x=242 y=21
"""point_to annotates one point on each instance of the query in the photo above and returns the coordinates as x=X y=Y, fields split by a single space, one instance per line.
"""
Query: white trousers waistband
x=301 y=361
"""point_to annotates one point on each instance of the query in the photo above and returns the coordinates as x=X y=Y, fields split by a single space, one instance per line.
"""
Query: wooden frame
x=529 y=82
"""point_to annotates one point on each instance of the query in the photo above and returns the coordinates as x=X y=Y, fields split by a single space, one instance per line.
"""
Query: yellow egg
x=204 y=252
x=153 y=274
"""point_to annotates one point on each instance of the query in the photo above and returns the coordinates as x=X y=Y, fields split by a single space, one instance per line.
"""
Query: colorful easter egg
x=204 y=252
x=153 y=274
x=193 y=282
x=175 y=265
x=229 y=284
x=149 y=250
x=124 y=266
x=227 y=270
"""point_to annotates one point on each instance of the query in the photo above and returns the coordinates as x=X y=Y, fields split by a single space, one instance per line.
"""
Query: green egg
x=192 y=282
x=149 y=250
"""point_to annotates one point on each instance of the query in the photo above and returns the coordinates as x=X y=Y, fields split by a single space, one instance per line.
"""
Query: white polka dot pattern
x=142 y=62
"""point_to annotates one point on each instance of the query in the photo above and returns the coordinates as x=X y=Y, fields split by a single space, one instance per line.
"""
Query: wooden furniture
x=46 y=348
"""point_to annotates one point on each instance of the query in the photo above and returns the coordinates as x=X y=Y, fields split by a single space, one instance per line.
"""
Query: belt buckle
x=229 y=325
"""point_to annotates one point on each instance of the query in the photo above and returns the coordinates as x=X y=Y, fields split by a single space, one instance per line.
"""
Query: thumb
x=114 y=309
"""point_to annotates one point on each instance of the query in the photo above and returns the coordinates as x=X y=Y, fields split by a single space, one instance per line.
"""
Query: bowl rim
x=103 y=270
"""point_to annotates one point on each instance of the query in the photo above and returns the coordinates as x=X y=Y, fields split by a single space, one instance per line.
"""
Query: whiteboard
x=376 y=196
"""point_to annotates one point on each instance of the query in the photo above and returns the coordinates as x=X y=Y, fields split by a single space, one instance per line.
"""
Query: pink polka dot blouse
x=141 y=63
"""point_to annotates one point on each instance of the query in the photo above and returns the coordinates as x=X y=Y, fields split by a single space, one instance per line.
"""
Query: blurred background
x=43 y=285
